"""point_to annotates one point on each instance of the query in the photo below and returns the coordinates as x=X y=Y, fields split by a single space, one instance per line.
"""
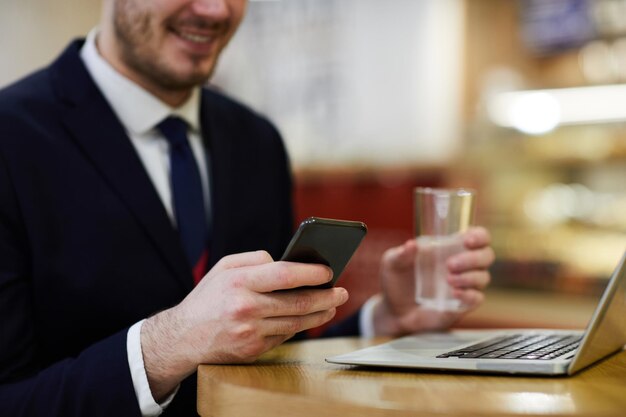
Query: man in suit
x=104 y=310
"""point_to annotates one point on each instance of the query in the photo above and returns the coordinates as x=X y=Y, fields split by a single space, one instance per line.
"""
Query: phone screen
x=328 y=242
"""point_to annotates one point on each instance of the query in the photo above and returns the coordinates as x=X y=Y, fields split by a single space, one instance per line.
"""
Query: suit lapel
x=220 y=164
x=97 y=131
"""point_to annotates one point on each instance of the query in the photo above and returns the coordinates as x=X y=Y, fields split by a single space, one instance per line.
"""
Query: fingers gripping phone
x=328 y=242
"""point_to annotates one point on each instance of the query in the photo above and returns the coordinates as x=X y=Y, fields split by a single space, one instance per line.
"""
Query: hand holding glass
x=441 y=216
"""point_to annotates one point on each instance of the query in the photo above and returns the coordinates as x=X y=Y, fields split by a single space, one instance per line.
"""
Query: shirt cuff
x=366 y=319
x=148 y=406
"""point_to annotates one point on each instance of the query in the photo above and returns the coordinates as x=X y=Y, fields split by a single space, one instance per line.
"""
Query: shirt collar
x=138 y=110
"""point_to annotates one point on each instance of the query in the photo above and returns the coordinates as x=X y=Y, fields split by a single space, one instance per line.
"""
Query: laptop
x=512 y=351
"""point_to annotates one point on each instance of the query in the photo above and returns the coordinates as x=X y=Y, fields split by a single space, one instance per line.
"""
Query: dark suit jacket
x=86 y=246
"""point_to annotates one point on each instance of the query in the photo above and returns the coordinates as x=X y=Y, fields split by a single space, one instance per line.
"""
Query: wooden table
x=294 y=380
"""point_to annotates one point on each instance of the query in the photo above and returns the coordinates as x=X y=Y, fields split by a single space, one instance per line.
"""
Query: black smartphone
x=328 y=242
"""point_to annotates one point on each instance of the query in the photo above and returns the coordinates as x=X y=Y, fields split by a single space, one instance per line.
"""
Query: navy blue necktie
x=187 y=194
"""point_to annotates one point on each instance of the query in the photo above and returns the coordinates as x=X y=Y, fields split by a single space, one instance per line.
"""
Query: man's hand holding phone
x=235 y=314
x=240 y=309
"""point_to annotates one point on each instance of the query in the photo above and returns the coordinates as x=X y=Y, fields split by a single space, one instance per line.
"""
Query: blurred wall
x=33 y=32
x=354 y=82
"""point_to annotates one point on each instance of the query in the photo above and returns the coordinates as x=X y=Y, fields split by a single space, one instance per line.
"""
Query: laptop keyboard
x=518 y=346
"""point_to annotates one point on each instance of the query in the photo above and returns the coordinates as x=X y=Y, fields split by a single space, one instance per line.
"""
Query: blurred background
x=524 y=101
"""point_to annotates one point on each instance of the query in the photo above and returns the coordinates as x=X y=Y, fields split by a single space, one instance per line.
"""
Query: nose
x=213 y=8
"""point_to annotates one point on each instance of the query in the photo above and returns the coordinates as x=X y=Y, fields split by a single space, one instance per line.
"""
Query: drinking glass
x=441 y=216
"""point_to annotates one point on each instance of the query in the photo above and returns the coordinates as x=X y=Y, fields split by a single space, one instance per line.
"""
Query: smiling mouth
x=194 y=37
